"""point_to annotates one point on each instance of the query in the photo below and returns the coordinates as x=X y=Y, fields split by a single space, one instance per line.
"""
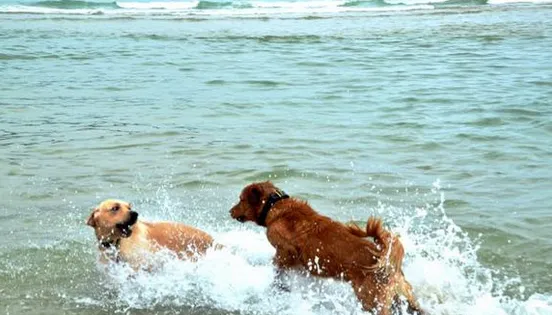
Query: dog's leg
x=405 y=289
x=374 y=296
x=286 y=255
x=279 y=282
x=284 y=260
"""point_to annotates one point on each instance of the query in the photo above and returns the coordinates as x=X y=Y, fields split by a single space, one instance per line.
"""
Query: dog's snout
x=133 y=218
x=235 y=214
x=133 y=215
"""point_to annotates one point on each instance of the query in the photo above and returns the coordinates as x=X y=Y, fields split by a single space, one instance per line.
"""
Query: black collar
x=272 y=199
x=111 y=253
x=109 y=244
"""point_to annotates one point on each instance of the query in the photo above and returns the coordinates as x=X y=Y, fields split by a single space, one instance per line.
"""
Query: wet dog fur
x=305 y=239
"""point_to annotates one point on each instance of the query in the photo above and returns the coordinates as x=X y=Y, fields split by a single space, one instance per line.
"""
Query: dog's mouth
x=234 y=213
x=126 y=227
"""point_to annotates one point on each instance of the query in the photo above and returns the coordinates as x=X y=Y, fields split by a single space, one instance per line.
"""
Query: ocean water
x=435 y=115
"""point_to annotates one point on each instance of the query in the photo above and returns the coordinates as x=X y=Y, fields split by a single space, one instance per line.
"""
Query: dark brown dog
x=122 y=237
x=327 y=248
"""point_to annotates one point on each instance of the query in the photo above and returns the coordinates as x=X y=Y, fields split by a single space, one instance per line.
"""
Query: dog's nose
x=133 y=215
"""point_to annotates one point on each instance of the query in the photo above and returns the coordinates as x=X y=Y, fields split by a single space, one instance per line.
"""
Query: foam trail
x=237 y=278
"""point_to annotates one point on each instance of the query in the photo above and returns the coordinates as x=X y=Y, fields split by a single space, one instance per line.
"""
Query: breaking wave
x=236 y=7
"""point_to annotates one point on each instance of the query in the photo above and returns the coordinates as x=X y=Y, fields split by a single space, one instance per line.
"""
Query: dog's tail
x=390 y=251
x=390 y=258
x=391 y=247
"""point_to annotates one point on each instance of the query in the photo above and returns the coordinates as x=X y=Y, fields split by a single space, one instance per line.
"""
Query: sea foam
x=441 y=264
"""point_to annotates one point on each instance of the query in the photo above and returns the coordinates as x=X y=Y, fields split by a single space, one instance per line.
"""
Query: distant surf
x=74 y=4
x=237 y=7
x=203 y=8
x=229 y=8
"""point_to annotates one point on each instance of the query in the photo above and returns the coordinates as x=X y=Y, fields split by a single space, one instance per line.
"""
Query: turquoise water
x=436 y=116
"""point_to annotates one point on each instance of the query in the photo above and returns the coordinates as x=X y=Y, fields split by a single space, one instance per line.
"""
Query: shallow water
x=435 y=116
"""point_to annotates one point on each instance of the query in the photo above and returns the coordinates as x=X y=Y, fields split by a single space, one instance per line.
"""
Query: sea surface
x=435 y=115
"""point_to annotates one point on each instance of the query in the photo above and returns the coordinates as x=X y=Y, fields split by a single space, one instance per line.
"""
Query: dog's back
x=147 y=238
x=182 y=239
x=326 y=247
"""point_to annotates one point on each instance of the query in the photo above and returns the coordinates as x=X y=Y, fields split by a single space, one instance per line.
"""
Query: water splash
x=441 y=264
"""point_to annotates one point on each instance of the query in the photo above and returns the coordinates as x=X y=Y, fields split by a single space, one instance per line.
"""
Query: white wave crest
x=158 y=5
x=239 y=9
x=180 y=9
x=23 y=9
x=518 y=1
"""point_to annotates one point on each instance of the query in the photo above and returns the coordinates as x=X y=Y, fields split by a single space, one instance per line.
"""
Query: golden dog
x=122 y=237
x=327 y=248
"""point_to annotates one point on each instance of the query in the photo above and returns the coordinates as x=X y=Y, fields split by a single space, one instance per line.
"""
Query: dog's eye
x=115 y=208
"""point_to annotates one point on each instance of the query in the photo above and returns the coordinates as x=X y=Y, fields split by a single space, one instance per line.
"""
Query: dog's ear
x=92 y=219
x=254 y=195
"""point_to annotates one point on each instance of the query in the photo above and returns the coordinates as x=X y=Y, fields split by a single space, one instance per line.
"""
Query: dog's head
x=252 y=200
x=112 y=220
